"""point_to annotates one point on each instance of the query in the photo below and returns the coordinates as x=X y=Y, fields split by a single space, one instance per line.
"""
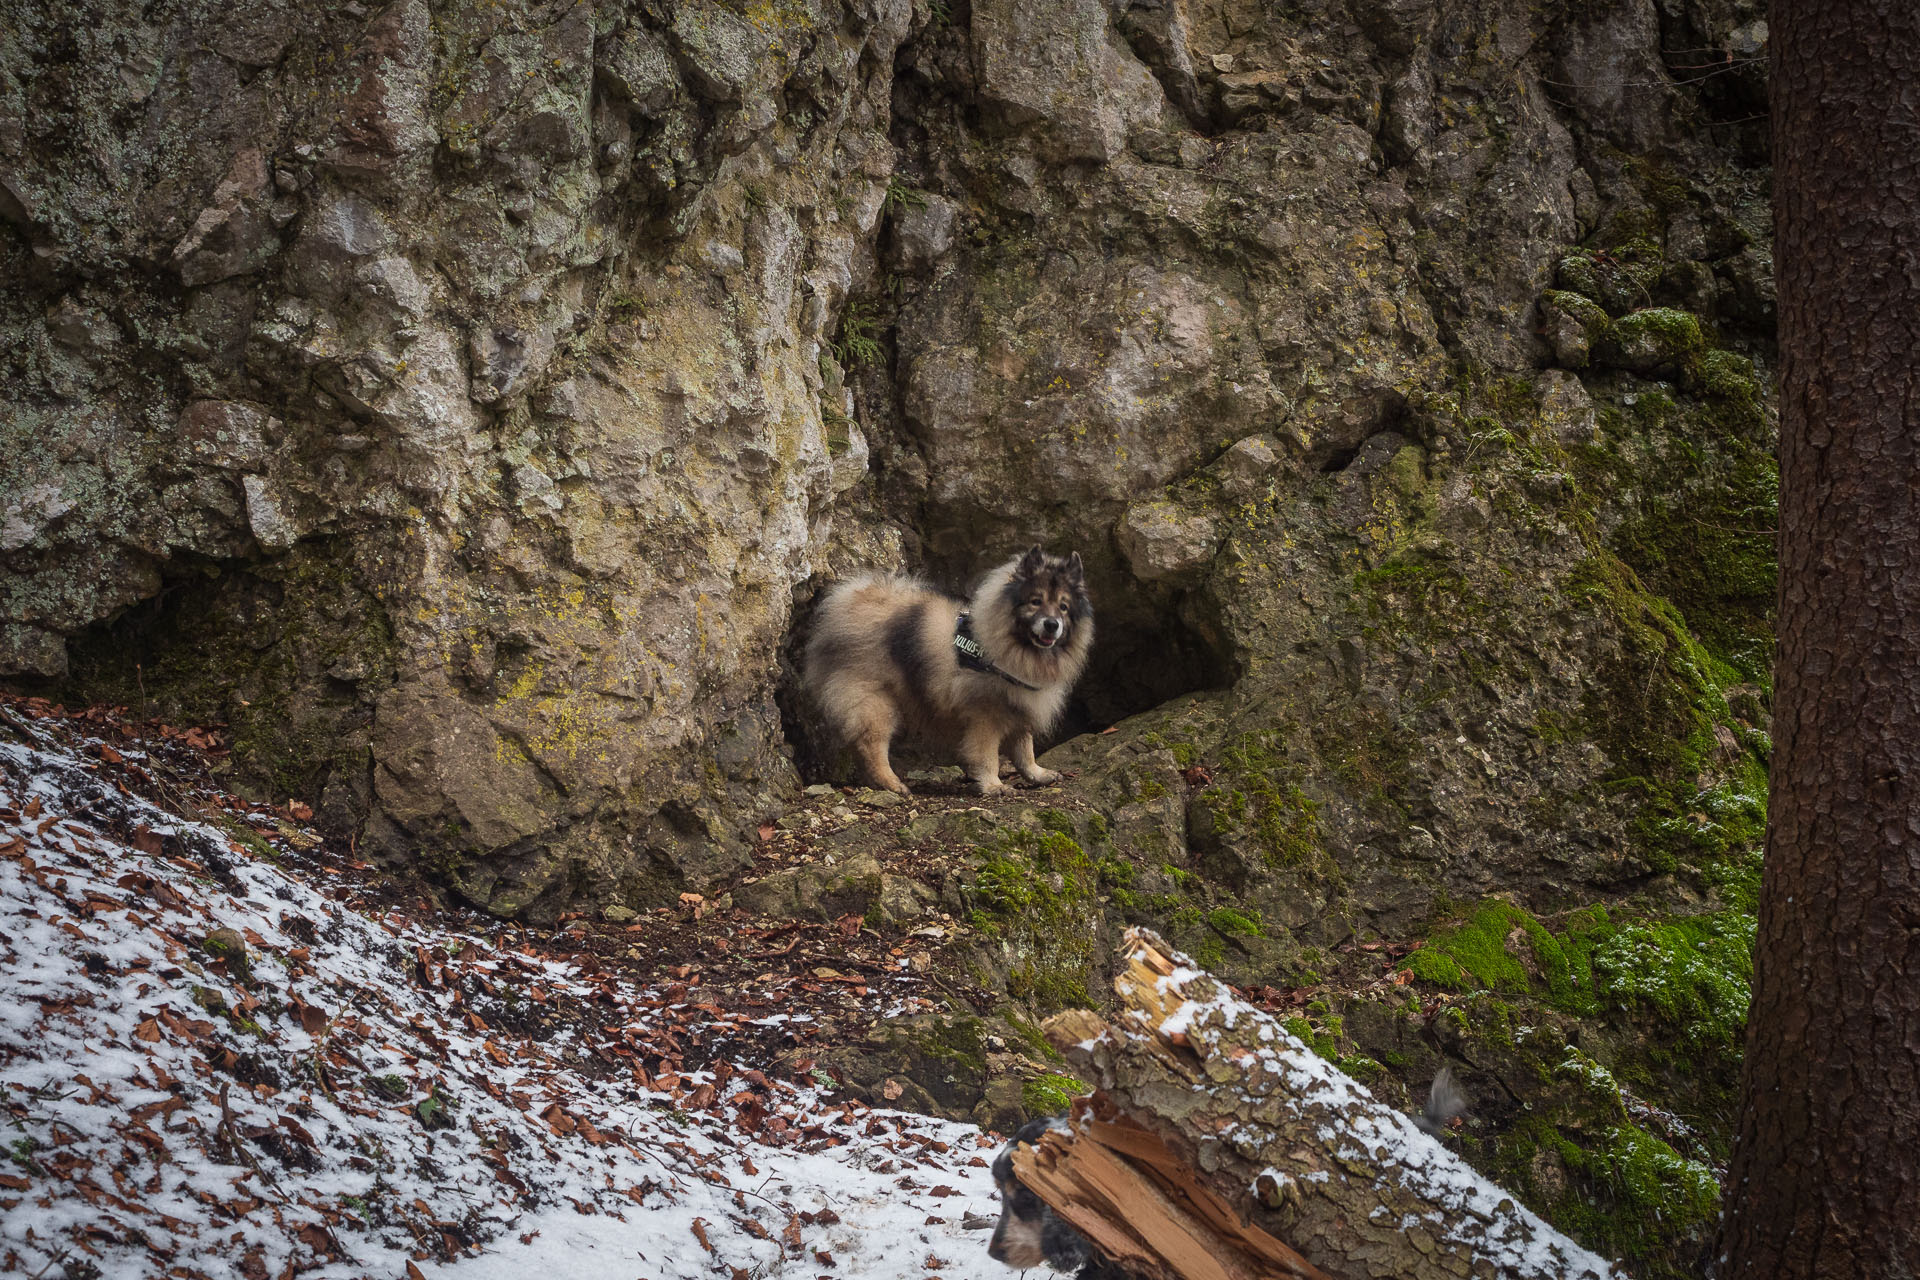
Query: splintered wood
x=1218 y=1147
x=1122 y=1189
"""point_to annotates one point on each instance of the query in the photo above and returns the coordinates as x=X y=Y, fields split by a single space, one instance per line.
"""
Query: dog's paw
x=994 y=788
x=1043 y=777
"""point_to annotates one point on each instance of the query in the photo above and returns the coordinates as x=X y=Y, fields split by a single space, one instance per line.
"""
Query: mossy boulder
x=1655 y=340
x=851 y=885
x=1618 y=279
x=1033 y=900
x=995 y=1070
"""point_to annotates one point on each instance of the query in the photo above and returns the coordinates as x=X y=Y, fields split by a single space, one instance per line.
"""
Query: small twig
x=232 y=1135
x=231 y=1132
x=319 y=1067
x=50 y=1261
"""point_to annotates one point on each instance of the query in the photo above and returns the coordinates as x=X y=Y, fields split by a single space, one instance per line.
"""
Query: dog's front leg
x=1022 y=751
x=980 y=757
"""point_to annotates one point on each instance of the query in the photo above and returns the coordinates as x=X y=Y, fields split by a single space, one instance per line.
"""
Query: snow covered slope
x=221 y=1055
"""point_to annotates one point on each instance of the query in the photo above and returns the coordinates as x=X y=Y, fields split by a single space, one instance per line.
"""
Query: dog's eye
x=1036 y=602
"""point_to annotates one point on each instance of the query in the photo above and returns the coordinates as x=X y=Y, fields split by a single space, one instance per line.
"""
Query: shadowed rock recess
x=463 y=403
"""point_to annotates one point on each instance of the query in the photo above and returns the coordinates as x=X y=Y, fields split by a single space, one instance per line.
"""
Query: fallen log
x=1219 y=1147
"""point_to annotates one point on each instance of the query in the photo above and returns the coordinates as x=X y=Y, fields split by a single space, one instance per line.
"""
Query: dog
x=889 y=654
x=1029 y=1233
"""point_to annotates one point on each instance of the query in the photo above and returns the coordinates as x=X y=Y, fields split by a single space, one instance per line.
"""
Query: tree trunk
x=1825 y=1178
x=1258 y=1159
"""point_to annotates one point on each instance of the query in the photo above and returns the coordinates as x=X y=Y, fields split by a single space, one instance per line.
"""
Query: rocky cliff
x=462 y=403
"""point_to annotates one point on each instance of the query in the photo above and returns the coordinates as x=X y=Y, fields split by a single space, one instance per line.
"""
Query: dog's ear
x=1075 y=570
x=1032 y=562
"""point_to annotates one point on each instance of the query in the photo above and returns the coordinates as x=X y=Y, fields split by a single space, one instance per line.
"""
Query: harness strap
x=974 y=658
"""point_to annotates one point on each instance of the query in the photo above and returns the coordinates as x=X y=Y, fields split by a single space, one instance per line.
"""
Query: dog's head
x=1030 y=1233
x=1047 y=596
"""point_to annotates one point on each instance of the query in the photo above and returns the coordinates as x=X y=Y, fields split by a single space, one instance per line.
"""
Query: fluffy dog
x=1029 y=1233
x=890 y=654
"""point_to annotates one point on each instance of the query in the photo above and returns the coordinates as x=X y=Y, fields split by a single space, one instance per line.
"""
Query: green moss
x=1032 y=1036
x=1324 y=1042
x=1630 y=1195
x=1428 y=602
x=1049 y=1095
x=1486 y=953
x=1730 y=376
x=1439 y=969
x=1709 y=547
x=1037 y=891
x=1326 y=1035
x=1589 y=314
x=1658 y=708
x=1619 y=274
x=1696 y=973
x=1233 y=924
x=1666 y=335
x=1258 y=789
x=961 y=1041
x=1185 y=754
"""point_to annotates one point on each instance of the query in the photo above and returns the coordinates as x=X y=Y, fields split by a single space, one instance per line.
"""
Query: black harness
x=974 y=658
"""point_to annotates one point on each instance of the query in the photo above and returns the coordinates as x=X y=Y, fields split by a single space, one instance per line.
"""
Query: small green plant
x=20 y=1151
x=940 y=12
x=858 y=345
x=901 y=196
x=625 y=307
x=388 y=1086
x=435 y=1111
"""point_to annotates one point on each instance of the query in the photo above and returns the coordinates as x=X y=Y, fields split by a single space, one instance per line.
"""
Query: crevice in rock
x=1339 y=459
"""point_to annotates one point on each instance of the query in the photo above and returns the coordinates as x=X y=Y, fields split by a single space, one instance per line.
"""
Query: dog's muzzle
x=1047 y=631
x=1016 y=1242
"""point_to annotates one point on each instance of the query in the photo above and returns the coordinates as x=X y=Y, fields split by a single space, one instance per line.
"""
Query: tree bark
x=1268 y=1162
x=1825 y=1176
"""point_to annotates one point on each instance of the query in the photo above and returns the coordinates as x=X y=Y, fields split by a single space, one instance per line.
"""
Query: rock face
x=455 y=382
x=464 y=403
x=453 y=402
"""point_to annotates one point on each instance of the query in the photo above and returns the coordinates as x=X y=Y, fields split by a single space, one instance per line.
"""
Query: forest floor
x=229 y=1050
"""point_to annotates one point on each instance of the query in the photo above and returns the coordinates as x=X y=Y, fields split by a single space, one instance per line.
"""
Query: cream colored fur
x=881 y=662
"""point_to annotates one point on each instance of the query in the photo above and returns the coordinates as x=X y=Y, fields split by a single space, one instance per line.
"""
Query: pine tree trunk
x=1825 y=1179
